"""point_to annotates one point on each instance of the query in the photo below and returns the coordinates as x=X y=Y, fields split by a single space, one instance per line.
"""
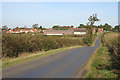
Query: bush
x=15 y=44
x=88 y=40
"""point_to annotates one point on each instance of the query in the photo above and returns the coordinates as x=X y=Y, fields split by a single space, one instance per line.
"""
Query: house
x=13 y=31
x=72 y=28
x=36 y=30
x=23 y=30
x=100 y=29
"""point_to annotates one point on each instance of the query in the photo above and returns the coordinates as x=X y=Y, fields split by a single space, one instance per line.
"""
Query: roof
x=80 y=30
x=58 y=31
x=69 y=31
x=72 y=28
x=77 y=28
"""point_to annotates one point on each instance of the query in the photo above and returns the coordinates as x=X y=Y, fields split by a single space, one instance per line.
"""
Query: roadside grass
x=27 y=57
x=99 y=65
x=93 y=43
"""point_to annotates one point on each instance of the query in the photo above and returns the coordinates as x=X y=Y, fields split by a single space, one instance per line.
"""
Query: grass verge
x=27 y=57
x=93 y=43
x=99 y=65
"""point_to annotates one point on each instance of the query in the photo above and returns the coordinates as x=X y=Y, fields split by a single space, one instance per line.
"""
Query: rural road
x=66 y=64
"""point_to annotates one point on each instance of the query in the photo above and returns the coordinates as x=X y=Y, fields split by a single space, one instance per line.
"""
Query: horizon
x=48 y=14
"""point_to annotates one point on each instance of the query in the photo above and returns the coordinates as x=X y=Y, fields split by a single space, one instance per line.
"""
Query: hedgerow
x=15 y=44
x=89 y=39
x=114 y=47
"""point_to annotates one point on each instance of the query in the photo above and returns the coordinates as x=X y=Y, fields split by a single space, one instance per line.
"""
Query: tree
x=101 y=26
x=17 y=28
x=107 y=27
x=72 y=26
x=55 y=27
x=9 y=28
x=35 y=26
x=4 y=27
x=116 y=28
x=81 y=26
x=89 y=28
x=92 y=19
x=40 y=27
x=25 y=27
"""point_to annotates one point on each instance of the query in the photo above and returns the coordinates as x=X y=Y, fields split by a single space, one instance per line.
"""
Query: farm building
x=80 y=31
x=58 y=32
x=66 y=32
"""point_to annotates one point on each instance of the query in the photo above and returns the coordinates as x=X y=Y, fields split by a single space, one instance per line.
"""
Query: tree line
x=92 y=19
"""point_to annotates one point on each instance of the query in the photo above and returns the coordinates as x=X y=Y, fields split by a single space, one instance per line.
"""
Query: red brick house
x=100 y=29
x=23 y=30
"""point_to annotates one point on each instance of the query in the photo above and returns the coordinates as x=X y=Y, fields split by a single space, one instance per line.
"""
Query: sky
x=48 y=14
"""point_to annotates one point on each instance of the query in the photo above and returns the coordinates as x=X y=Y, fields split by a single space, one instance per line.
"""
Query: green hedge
x=15 y=44
x=89 y=39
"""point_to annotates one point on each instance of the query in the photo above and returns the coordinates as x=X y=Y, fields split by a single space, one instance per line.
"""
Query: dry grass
x=111 y=37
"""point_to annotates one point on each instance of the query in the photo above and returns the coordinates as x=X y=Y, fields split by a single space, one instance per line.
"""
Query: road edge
x=23 y=59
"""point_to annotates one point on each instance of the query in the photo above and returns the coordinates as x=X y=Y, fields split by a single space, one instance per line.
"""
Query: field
x=105 y=62
x=111 y=37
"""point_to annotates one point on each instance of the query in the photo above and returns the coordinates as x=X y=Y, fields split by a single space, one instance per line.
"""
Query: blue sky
x=48 y=14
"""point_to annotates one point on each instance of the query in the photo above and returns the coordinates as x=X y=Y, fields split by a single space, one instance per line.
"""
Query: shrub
x=15 y=44
x=89 y=39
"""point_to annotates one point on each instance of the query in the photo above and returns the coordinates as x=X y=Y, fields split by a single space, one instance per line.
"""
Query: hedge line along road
x=66 y=64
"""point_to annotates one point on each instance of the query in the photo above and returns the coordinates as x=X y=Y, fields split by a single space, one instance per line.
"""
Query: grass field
x=111 y=37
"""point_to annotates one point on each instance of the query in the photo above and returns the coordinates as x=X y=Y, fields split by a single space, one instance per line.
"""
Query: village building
x=23 y=31
x=100 y=29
